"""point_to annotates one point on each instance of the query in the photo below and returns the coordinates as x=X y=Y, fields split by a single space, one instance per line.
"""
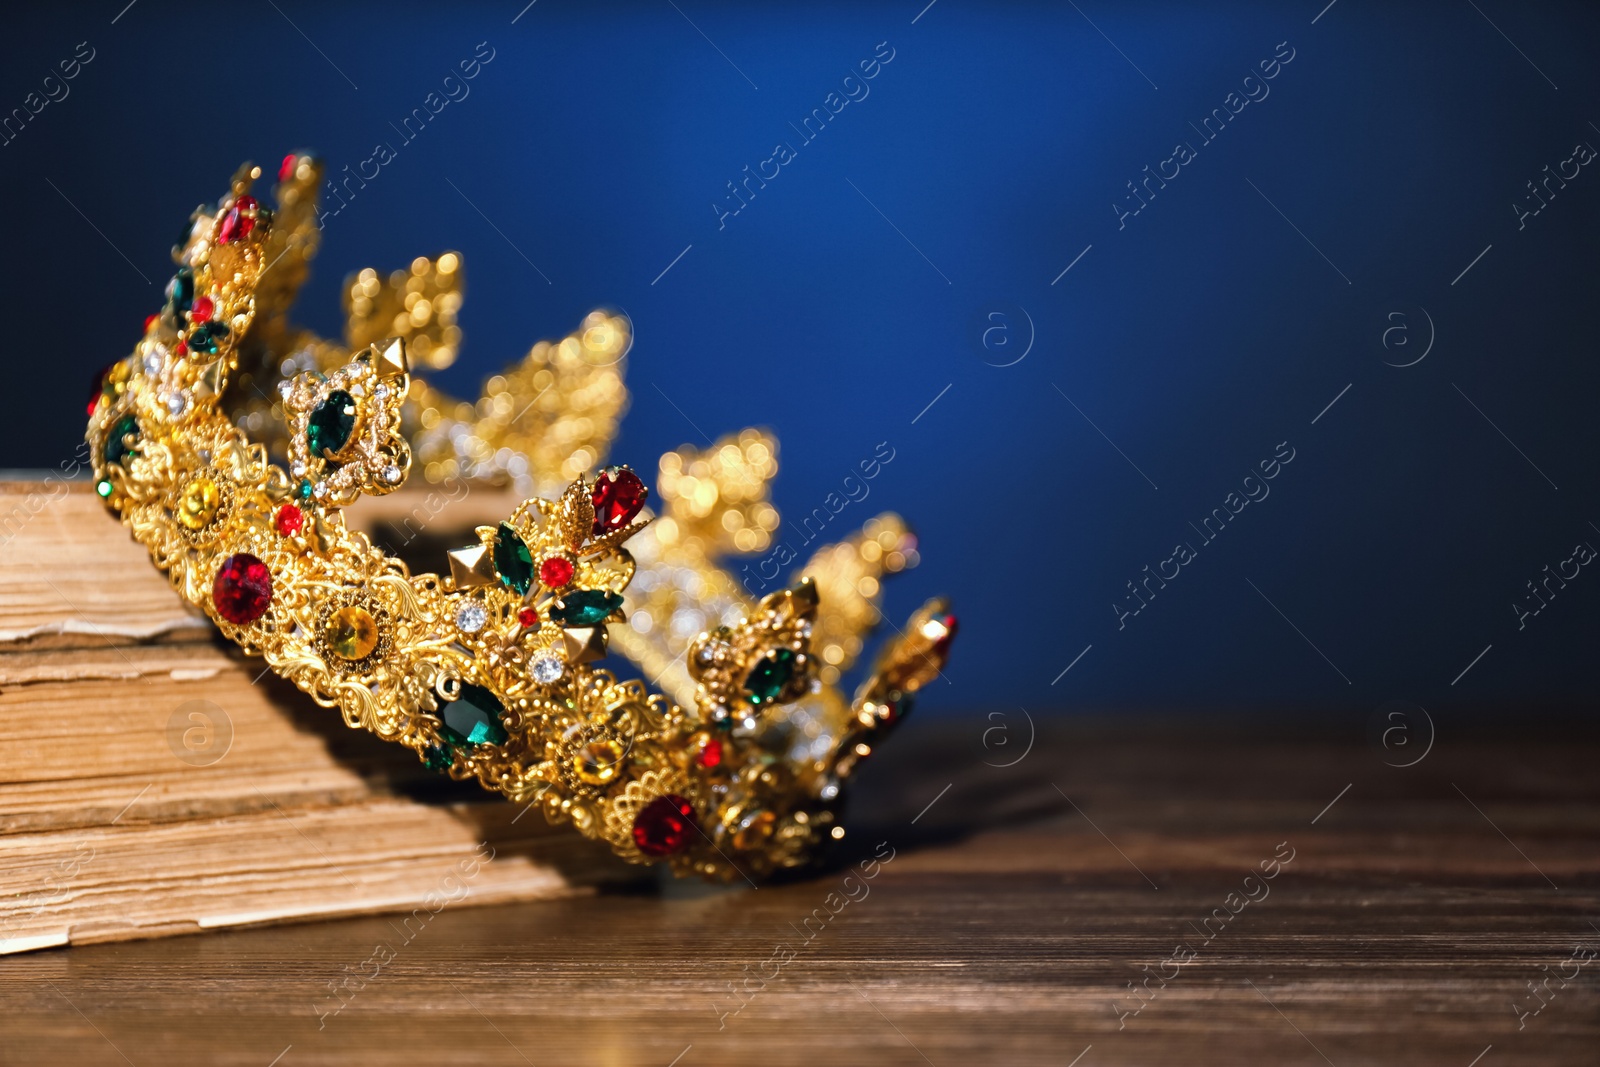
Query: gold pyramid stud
x=391 y=361
x=471 y=566
x=211 y=379
x=804 y=596
x=584 y=644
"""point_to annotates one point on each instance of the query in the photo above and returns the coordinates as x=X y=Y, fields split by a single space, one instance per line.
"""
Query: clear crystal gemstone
x=471 y=616
x=548 y=668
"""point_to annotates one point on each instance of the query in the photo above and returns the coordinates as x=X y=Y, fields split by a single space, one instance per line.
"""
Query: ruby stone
x=555 y=572
x=617 y=497
x=242 y=589
x=238 y=222
x=290 y=519
x=710 y=754
x=664 y=826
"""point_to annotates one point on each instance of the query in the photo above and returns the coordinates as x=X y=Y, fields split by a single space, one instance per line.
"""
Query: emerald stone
x=770 y=676
x=117 y=449
x=303 y=490
x=473 y=718
x=180 y=292
x=512 y=561
x=585 y=607
x=438 y=757
x=205 y=337
x=331 y=423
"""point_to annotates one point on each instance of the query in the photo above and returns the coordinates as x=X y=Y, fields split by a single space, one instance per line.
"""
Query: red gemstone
x=555 y=572
x=618 y=495
x=710 y=753
x=99 y=388
x=290 y=519
x=242 y=590
x=664 y=826
x=238 y=222
x=202 y=310
x=150 y=320
x=287 y=168
x=528 y=617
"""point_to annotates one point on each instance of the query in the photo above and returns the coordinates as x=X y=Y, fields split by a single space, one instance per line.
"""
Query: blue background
x=858 y=286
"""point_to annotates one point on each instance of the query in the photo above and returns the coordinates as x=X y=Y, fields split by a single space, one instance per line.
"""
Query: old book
x=154 y=781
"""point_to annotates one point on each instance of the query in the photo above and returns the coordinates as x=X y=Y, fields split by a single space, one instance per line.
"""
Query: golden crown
x=230 y=441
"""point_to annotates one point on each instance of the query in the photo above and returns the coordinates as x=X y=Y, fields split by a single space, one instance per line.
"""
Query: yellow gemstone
x=754 y=831
x=597 y=762
x=197 y=507
x=351 y=632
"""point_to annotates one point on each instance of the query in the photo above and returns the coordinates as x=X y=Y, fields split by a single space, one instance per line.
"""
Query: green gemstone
x=205 y=337
x=512 y=561
x=473 y=718
x=770 y=676
x=303 y=490
x=438 y=757
x=103 y=487
x=180 y=292
x=117 y=450
x=585 y=607
x=331 y=423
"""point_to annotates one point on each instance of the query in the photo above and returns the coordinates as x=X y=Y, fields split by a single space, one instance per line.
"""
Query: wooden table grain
x=1130 y=890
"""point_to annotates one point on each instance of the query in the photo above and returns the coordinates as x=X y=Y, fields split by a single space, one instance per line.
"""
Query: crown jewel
x=230 y=441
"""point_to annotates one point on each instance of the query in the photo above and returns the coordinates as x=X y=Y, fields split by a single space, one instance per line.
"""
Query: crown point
x=917 y=657
x=392 y=361
x=575 y=515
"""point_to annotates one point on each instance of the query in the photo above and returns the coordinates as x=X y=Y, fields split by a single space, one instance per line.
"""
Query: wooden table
x=1411 y=911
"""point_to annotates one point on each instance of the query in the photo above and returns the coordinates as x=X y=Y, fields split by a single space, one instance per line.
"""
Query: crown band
x=488 y=672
